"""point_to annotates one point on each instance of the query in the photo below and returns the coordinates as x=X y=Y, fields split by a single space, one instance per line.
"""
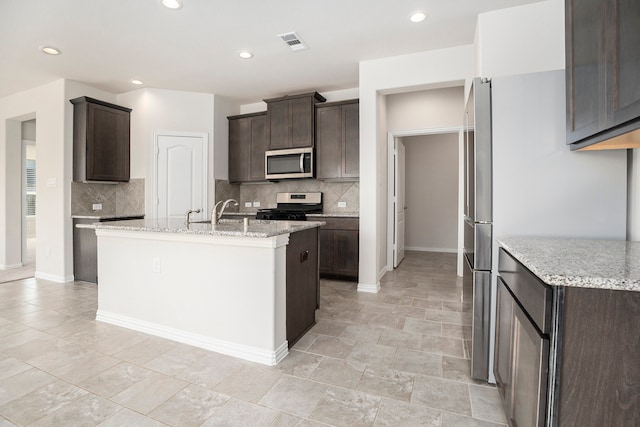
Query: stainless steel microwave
x=289 y=163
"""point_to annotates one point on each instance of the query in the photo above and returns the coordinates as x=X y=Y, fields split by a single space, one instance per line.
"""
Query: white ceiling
x=107 y=43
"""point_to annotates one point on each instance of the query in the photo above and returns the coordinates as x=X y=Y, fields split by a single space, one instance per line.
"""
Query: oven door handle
x=301 y=162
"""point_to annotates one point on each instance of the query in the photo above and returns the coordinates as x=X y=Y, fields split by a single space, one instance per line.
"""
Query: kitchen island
x=567 y=342
x=248 y=292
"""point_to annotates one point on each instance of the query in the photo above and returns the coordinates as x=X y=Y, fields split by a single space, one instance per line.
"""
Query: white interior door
x=399 y=203
x=181 y=175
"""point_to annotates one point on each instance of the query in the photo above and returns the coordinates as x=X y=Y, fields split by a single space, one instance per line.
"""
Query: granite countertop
x=235 y=228
x=98 y=217
x=602 y=264
x=309 y=215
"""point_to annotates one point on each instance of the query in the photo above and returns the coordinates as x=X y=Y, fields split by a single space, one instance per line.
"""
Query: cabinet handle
x=304 y=256
x=301 y=162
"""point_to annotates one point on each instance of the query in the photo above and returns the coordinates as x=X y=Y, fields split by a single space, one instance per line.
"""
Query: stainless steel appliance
x=293 y=207
x=478 y=223
x=289 y=163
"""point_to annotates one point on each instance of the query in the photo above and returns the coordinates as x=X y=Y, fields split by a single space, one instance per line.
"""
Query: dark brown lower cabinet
x=302 y=283
x=339 y=248
x=565 y=356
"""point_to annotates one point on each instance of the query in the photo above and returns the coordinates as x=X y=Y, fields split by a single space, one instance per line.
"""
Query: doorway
x=28 y=175
x=429 y=218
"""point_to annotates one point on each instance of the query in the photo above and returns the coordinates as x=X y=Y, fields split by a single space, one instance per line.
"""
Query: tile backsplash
x=265 y=194
x=125 y=198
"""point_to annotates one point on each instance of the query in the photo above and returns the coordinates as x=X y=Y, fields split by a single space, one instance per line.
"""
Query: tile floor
x=396 y=358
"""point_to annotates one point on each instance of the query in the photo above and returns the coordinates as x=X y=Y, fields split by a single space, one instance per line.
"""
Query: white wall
x=419 y=71
x=223 y=107
x=518 y=40
x=431 y=192
x=425 y=109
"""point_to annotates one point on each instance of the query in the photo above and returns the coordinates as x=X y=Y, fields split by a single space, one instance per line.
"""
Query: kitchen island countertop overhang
x=219 y=287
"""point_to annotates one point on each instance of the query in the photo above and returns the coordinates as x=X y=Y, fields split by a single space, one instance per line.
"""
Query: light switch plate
x=247 y=204
x=256 y=204
x=342 y=204
x=97 y=206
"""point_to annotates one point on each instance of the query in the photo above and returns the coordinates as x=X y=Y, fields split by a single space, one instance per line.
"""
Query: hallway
x=388 y=359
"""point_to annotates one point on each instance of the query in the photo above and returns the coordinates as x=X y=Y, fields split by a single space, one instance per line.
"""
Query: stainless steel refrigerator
x=478 y=223
x=521 y=179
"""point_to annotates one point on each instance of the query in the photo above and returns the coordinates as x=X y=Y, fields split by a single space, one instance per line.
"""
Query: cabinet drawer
x=529 y=291
x=338 y=223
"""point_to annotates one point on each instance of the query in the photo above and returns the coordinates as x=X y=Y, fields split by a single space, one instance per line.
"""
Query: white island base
x=220 y=293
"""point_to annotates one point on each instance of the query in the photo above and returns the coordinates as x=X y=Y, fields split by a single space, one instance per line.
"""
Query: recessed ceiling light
x=50 y=50
x=245 y=54
x=136 y=82
x=418 y=16
x=172 y=4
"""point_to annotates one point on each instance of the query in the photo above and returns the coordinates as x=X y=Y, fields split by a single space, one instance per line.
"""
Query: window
x=31 y=186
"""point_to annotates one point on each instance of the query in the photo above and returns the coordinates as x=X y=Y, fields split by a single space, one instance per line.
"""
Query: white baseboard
x=240 y=351
x=10 y=266
x=423 y=249
x=53 y=277
x=372 y=289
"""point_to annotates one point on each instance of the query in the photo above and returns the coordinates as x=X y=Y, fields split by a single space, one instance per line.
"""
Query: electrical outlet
x=256 y=204
x=247 y=204
x=342 y=204
x=156 y=266
x=97 y=206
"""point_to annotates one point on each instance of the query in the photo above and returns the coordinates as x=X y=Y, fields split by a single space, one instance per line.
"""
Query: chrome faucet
x=189 y=212
x=215 y=216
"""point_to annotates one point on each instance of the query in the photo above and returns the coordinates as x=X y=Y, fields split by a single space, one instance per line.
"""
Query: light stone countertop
x=98 y=217
x=601 y=264
x=309 y=215
x=234 y=228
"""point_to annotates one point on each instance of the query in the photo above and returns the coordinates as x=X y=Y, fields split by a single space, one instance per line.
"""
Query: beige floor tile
x=454 y=420
x=10 y=367
x=249 y=383
x=400 y=339
x=442 y=394
x=305 y=341
x=361 y=334
x=424 y=327
x=71 y=326
x=443 y=345
x=330 y=346
x=329 y=327
x=393 y=413
x=145 y=351
x=127 y=417
x=11 y=328
x=346 y=408
x=486 y=404
x=418 y=362
x=372 y=354
x=295 y=396
x=6 y=423
x=23 y=383
x=389 y=383
x=338 y=372
x=19 y=338
x=41 y=402
x=239 y=413
x=456 y=331
x=450 y=317
x=116 y=379
x=176 y=360
x=191 y=406
x=211 y=370
x=454 y=368
x=149 y=393
x=89 y=410
x=90 y=364
x=298 y=364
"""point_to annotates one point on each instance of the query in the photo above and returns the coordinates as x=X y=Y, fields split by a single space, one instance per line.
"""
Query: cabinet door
x=329 y=150
x=624 y=38
x=586 y=68
x=239 y=144
x=259 y=144
x=279 y=125
x=529 y=373
x=502 y=360
x=345 y=243
x=326 y=251
x=351 y=141
x=302 y=123
x=107 y=144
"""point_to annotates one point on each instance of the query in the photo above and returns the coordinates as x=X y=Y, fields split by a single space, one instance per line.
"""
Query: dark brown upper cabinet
x=338 y=140
x=101 y=141
x=602 y=69
x=248 y=140
x=292 y=120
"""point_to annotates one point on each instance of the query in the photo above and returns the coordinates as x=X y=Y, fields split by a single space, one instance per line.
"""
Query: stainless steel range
x=293 y=207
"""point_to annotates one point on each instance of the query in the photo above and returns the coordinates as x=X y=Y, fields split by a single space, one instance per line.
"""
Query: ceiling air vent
x=293 y=40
